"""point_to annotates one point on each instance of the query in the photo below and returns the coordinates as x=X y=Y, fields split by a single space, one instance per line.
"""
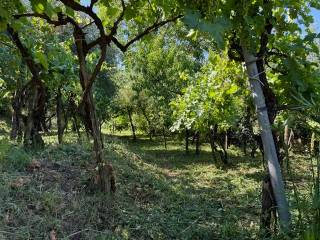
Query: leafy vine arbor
x=30 y=102
x=31 y=94
x=253 y=31
x=145 y=15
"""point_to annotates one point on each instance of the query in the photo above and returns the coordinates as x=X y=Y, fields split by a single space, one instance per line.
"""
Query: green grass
x=12 y=156
x=161 y=193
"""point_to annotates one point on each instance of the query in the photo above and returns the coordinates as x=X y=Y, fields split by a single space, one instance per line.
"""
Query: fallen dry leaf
x=33 y=166
x=19 y=182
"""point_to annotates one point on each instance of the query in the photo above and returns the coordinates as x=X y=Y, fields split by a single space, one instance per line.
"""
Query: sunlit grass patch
x=4 y=128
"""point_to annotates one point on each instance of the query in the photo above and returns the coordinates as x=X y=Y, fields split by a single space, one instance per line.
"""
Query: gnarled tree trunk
x=164 y=136
x=212 y=136
x=197 y=140
x=148 y=121
x=187 y=140
x=34 y=93
x=16 y=121
x=133 y=129
x=61 y=120
x=35 y=107
x=88 y=112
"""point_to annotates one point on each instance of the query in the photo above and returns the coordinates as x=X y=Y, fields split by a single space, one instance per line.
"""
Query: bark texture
x=33 y=95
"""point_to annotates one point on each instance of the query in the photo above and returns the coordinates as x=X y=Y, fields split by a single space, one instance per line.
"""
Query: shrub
x=12 y=157
x=313 y=231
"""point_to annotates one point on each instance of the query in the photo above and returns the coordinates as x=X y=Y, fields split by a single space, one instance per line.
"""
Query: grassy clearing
x=161 y=193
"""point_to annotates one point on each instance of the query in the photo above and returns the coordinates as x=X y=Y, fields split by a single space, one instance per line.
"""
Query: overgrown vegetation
x=152 y=119
x=13 y=157
x=187 y=197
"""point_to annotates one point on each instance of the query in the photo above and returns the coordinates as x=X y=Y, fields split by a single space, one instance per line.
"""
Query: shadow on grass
x=181 y=207
x=162 y=194
x=176 y=157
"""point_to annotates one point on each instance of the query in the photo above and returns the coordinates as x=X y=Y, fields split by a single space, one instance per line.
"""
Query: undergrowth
x=13 y=157
x=161 y=193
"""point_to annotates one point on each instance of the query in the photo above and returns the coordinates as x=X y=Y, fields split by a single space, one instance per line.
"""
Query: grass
x=161 y=193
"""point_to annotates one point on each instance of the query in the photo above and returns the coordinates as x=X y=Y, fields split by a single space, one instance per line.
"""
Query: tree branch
x=113 y=29
x=26 y=55
x=95 y=42
x=277 y=52
x=264 y=38
x=276 y=69
x=95 y=72
x=119 y=19
x=88 y=10
x=288 y=107
x=155 y=26
x=62 y=20
x=87 y=25
x=43 y=16
x=93 y=2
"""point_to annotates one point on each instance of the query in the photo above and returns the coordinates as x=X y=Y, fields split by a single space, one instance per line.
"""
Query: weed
x=161 y=194
x=13 y=157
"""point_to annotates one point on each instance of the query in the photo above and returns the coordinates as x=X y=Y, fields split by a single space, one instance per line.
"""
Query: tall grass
x=12 y=157
x=313 y=230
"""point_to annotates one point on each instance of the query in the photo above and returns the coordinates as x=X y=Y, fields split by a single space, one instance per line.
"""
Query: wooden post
x=267 y=140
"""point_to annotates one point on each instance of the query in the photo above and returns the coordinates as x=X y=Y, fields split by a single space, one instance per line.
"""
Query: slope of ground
x=161 y=193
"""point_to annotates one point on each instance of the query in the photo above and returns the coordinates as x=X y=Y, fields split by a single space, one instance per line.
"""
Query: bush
x=313 y=231
x=12 y=157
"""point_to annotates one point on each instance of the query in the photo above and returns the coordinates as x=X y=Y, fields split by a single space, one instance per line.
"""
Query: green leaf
x=233 y=89
x=192 y=18
x=191 y=33
x=3 y=26
x=38 y=6
x=216 y=27
x=49 y=10
x=42 y=59
x=4 y=14
x=69 y=11
x=17 y=25
x=310 y=37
